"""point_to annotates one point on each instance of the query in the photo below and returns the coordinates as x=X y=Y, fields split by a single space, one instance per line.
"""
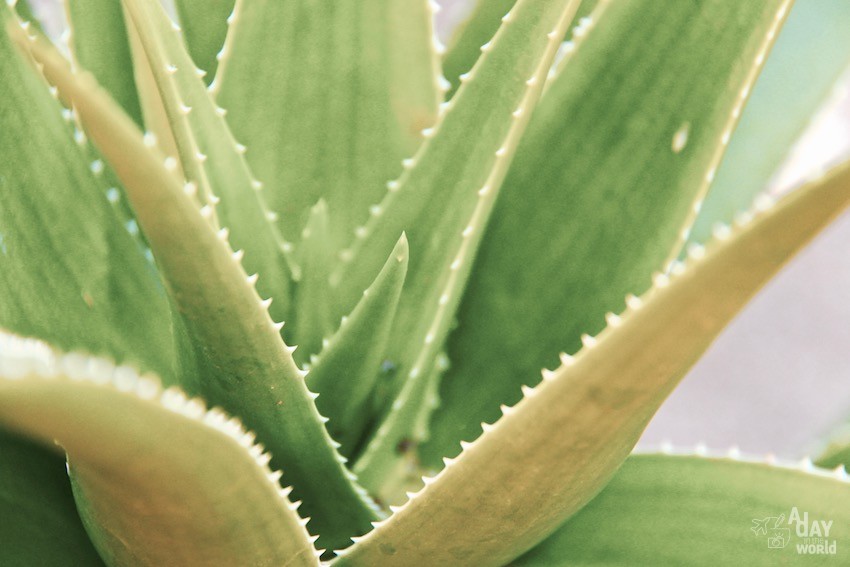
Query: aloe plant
x=434 y=227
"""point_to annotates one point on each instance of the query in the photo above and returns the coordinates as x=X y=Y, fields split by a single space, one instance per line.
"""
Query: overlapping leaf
x=243 y=363
x=519 y=479
x=625 y=139
x=347 y=372
x=812 y=50
x=314 y=316
x=464 y=47
x=100 y=45
x=204 y=24
x=687 y=510
x=499 y=95
x=168 y=482
x=69 y=271
x=210 y=158
x=351 y=88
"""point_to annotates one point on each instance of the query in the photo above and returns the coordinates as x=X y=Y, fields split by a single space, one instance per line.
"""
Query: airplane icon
x=760 y=527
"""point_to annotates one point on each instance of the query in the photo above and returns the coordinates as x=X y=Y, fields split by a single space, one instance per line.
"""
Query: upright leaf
x=244 y=364
x=314 y=316
x=689 y=510
x=79 y=281
x=204 y=24
x=626 y=138
x=352 y=86
x=519 y=479
x=211 y=159
x=156 y=122
x=464 y=47
x=499 y=95
x=100 y=45
x=812 y=49
x=346 y=373
x=140 y=458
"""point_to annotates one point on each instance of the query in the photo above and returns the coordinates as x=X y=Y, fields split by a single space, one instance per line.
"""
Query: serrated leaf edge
x=726 y=133
x=734 y=454
x=471 y=235
x=22 y=358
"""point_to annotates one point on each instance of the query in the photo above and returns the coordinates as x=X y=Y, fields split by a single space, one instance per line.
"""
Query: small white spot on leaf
x=680 y=138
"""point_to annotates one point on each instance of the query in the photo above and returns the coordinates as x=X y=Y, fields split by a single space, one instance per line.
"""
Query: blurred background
x=777 y=380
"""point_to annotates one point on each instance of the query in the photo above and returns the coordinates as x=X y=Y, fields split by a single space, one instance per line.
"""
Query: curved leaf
x=244 y=365
x=598 y=401
x=688 y=510
x=621 y=145
x=496 y=101
x=78 y=281
x=140 y=458
x=812 y=50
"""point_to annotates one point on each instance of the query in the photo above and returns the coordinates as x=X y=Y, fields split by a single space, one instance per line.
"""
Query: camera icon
x=775 y=542
x=778 y=538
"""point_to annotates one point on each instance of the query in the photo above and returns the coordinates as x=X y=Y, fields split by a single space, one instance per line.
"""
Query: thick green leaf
x=204 y=24
x=40 y=523
x=346 y=372
x=209 y=156
x=559 y=446
x=624 y=140
x=408 y=471
x=314 y=316
x=140 y=458
x=464 y=176
x=156 y=124
x=244 y=364
x=97 y=38
x=69 y=271
x=100 y=45
x=465 y=45
x=351 y=88
x=687 y=510
x=812 y=50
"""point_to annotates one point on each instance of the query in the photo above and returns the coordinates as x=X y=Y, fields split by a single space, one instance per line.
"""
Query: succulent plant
x=434 y=227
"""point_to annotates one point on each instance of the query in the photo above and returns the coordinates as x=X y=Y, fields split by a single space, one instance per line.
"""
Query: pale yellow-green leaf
x=467 y=178
x=329 y=97
x=243 y=364
x=698 y=511
x=559 y=446
x=159 y=479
